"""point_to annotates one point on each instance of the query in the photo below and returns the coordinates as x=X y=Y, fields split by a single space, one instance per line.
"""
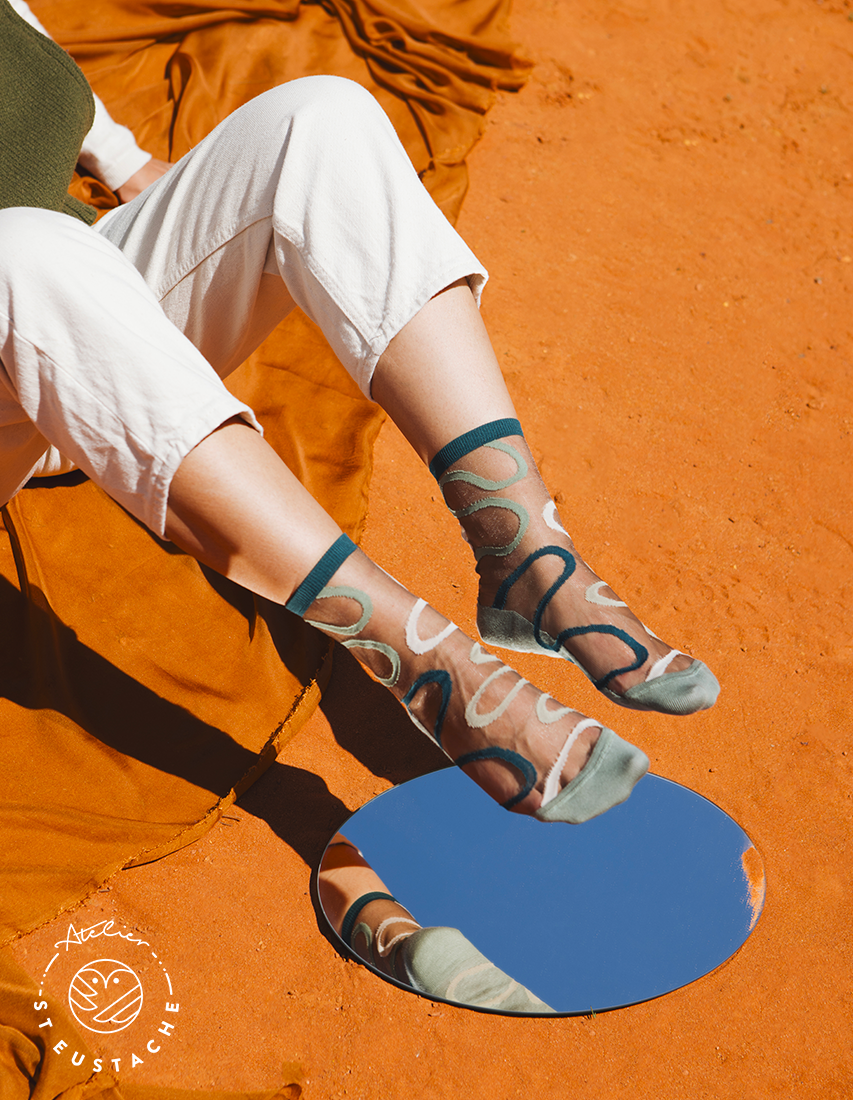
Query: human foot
x=439 y=962
x=369 y=920
x=528 y=752
x=537 y=595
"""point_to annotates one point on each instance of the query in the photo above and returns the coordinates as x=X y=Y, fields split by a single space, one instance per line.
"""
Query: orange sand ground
x=666 y=210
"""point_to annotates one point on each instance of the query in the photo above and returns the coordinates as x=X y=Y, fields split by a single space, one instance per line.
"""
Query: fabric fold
x=140 y=693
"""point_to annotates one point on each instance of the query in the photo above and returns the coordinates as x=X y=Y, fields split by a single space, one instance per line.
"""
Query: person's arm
x=109 y=151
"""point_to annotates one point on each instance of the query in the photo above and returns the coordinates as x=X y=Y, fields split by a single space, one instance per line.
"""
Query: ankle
x=380 y=927
x=501 y=730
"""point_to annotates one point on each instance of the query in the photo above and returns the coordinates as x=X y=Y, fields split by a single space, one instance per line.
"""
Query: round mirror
x=526 y=918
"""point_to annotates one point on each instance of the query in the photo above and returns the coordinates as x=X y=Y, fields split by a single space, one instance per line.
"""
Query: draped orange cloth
x=139 y=693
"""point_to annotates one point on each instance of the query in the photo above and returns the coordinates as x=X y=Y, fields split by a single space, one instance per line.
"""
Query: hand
x=146 y=175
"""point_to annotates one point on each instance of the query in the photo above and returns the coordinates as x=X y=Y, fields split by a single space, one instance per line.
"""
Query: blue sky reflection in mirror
x=648 y=897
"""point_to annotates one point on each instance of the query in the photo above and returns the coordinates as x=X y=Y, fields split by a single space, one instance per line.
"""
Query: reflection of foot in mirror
x=647 y=898
x=528 y=752
x=538 y=596
x=439 y=962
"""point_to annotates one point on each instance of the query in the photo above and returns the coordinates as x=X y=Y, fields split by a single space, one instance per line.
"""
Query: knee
x=332 y=103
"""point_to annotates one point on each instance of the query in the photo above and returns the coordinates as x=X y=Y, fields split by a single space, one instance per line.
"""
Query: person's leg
x=345 y=878
x=235 y=506
x=440 y=382
x=437 y=961
x=86 y=366
x=362 y=248
x=262 y=214
x=91 y=368
x=104 y=377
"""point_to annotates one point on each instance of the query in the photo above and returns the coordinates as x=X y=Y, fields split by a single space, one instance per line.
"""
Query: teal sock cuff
x=320 y=575
x=464 y=444
x=352 y=913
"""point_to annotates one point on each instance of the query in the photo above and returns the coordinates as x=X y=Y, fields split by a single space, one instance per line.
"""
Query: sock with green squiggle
x=516 y=742
x=536 y=594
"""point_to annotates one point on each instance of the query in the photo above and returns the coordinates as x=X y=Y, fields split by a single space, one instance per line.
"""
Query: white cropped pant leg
x=114 y=339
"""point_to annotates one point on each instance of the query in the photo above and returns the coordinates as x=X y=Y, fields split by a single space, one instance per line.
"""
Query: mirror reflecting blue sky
x=644 y=899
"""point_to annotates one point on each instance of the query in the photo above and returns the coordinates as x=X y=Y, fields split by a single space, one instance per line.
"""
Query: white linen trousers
x=114 y=338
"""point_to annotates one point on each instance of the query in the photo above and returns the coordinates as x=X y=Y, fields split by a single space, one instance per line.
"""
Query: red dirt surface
x=666 y=210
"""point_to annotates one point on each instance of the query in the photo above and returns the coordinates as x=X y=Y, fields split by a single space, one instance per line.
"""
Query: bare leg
x=345 y=877
x=235 y=506
x=439 y=379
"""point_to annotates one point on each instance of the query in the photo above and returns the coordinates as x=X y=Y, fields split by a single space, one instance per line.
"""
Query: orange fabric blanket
x=138 y=692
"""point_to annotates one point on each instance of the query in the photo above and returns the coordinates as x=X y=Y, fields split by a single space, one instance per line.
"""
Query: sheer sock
x=537 y=595
x=528 y=752
x=436 y=961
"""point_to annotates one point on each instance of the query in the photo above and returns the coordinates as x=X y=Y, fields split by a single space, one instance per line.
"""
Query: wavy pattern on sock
x=501 y=550
x=502 y=515
x=441 y=676
x=555 y=645
x=438 y=676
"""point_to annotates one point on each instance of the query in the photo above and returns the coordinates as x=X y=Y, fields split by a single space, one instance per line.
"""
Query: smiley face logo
x=105 y=996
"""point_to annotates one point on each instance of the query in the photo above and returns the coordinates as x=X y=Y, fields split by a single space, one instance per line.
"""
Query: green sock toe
x=694 y=688
x=686 y=692
x=608 y=777
x=441 y=962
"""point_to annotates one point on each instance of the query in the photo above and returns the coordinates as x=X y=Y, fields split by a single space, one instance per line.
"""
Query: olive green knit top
x=46 y=110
